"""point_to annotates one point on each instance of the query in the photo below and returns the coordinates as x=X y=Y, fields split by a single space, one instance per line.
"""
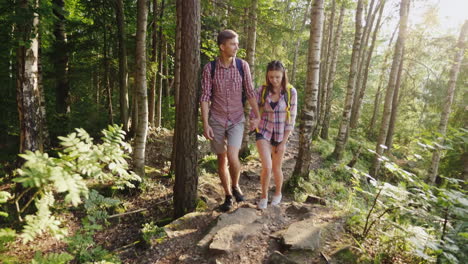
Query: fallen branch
x=138 y=210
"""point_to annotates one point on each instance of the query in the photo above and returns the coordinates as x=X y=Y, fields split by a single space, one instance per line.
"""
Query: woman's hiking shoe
x=237 y=194
x=276 y=200
x=263 y=203
x=227 y=205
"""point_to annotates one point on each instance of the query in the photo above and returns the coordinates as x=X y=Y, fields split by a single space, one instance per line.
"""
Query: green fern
x=42 y=221
x=78 y=160
x=51 y=258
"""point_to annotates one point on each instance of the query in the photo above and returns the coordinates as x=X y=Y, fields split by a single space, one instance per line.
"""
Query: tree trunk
x=368 y=57
x=395 y=103
x=370 y=130
x=298 y=43
x=344 y=125
x=140 y=87
x=60 y=59
x=107 y=81
x=332 y=73
x=153 y=58
x=457 y=60
x=123 y=70
x=160 y=68
x=176 y=78
x=365 y=58
x=328 y=58
x=186 y=180
x=250 y=58
x=309 y=110
x=42 y=103
x=399 y=46
x=27 y=87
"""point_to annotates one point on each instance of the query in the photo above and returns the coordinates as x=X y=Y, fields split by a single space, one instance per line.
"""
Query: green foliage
x=209 y=163
x=151 y=231
x=82 y=244
x=51 y=258
x=79 y=159
x=96 y=207
x=43 y=220
x=411 y=212
x=6 y=234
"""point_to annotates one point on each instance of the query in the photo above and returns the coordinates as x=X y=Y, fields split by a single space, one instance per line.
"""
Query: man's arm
x=207 y=130
x=254 y=122
x=204 y=101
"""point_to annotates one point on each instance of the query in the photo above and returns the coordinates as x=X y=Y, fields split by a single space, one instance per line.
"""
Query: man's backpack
x=287 y=99
x=241 y=72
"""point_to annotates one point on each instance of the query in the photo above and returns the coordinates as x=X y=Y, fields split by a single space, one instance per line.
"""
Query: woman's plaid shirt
x=273 y=122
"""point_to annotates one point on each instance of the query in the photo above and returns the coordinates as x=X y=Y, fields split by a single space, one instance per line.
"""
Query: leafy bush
x=52 y=258
x=151 y=231
x=80 y=158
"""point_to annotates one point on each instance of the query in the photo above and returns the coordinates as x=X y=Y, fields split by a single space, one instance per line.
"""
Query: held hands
x=208 y=132
x=254 y=122
x=281 y=147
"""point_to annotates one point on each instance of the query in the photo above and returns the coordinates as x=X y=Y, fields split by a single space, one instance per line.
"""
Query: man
x=223 y=119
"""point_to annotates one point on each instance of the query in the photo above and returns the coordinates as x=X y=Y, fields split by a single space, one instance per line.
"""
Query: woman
x=277 y=102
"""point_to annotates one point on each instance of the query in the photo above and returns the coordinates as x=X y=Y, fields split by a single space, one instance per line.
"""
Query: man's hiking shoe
x=227 y=205
x=237 y=194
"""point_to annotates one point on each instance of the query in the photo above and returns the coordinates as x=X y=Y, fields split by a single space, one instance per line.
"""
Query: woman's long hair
x=276 y=66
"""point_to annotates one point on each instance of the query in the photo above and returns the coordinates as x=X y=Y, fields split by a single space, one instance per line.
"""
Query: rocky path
x=289 y=233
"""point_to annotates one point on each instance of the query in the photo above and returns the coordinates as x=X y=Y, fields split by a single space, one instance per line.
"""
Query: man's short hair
x=225 y=35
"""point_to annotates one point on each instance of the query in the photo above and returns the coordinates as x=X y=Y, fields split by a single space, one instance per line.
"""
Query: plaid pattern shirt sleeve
x=249 y=90
x=293 y=111
x=206 y=84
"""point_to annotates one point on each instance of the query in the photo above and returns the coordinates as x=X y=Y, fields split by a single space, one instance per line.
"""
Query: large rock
x=188 y=222
x=303 y=235
x=242 y=216
x=230 y=237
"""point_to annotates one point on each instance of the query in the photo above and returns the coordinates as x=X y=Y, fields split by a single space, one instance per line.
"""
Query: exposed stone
x=242 y=216
x=312 y=199
x=303 y=235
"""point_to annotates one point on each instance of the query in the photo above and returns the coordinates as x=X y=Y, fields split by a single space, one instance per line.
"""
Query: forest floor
x=123 y=237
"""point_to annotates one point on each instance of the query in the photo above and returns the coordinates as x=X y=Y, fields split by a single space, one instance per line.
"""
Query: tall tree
x=42 y=102
x=60 y=59
x=309 y=110
x=383 y=70
x=27 y=89
x=395 y=104
x=298 y=43
x=250 y=58
x=332 y=73
x=107 y=77
x=186 y=180
x=366 y=67
x=397 y=56
x=366 y=56
x=123 y=70
x=140 y=86
x=456 y=62
x=176 y=78
x=341 y=139
x=325 y=71
x=153 y=60
x=160 y=67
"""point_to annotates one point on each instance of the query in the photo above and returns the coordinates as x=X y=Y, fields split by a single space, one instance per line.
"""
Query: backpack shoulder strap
x=240 y=68
x=213 y=68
